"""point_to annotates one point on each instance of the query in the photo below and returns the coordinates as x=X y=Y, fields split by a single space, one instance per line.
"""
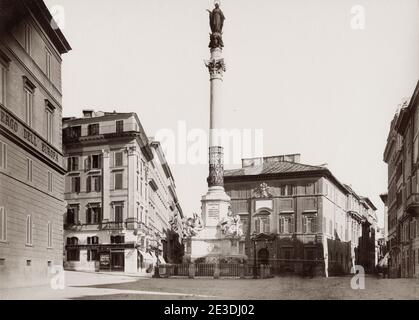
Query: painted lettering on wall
x=14 y=126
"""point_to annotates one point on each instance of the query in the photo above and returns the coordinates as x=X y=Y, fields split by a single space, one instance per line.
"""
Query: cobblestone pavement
x=119 y=286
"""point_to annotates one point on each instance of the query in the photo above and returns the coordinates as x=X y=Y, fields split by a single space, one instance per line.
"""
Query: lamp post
x=254 y=239
x=157 y=250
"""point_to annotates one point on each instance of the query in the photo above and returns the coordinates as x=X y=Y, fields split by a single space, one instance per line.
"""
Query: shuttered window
x=89 y=184
x=75 y=184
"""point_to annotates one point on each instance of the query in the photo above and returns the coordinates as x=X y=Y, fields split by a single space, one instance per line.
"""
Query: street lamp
x=254 y=239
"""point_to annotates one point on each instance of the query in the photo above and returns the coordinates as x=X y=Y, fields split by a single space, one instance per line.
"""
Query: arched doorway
x=263 y=256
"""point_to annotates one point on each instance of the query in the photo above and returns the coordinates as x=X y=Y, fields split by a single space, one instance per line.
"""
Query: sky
x=298 y=69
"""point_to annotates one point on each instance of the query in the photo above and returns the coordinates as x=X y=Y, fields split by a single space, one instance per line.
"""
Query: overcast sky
x=296 y=68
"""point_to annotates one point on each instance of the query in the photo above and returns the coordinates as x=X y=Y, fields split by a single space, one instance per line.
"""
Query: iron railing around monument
x=235 y=270
x=204 y=269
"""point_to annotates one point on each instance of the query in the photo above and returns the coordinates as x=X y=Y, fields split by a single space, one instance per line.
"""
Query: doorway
x=117 y=261
x=263 y=256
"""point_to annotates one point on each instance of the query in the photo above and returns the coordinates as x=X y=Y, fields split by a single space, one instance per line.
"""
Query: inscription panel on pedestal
x=213 y=214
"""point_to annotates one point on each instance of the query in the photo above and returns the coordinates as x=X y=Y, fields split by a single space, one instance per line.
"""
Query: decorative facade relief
x=263 y=191
x=216 y=167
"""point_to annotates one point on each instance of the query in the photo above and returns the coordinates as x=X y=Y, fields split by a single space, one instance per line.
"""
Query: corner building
x=31 y=160
x=116 y=190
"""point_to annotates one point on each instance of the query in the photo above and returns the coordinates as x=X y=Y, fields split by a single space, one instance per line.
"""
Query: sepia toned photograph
x=209 y=150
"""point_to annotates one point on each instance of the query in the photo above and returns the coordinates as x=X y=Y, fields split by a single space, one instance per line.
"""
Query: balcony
x=113 y=225
x=412 y=204
x=82 y=227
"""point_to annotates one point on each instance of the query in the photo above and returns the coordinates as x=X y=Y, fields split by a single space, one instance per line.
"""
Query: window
x=120 y=126
x=3 y=81
x=3 y=155
x=29 y=226
x=257 y=225
x=73 y=132
x=309 y=224
x=92 y=255
x=286 y=225
x=75 y=184
x=97 y=184
x=88 y=184
x=73 y=254
x=118 y=160
x=118 y=181
x=97 y=161
x=118 y=213
x=93 y=215
x=73 y=164
x=29 y=169
x=117 y=239
x=93 y=129
x=309 y=189
x=266 y=225
x=3 y=224
x=28 y=106
x=93 y=240
x=93 y=162
x=286 y=190
x=50 y=181
x=49 y=234
x=49 y=124
x=47 y=63
x=72 y=215
x=28 y=39
x=244 y=226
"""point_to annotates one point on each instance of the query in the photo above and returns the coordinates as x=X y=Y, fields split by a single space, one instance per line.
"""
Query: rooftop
x=277 y=167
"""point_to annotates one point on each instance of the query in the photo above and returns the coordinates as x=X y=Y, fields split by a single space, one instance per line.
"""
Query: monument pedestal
x=211 y=245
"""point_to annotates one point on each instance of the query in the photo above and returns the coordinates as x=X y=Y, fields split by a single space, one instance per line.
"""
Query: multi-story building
x=402 y=156
x=31 y=161
x=300 y=215
x=120 y=194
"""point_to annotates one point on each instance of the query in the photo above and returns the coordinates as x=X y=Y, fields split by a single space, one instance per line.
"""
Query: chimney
x=87 y=113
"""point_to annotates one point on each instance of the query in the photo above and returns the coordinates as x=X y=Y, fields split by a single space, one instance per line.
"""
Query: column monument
x=219 y=231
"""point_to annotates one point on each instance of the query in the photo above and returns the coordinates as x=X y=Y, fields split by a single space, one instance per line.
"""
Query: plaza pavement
x=80 y=285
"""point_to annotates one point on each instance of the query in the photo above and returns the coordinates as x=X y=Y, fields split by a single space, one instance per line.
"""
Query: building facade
x=119 y=193
x=402 y=156
x=31 y=159
x=307 y=216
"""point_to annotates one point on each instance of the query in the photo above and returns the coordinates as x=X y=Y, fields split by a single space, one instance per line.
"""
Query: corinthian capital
x=216 y=67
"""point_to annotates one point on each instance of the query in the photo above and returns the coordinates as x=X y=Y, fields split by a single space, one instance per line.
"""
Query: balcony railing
x=113 y=225
x=412 y=204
